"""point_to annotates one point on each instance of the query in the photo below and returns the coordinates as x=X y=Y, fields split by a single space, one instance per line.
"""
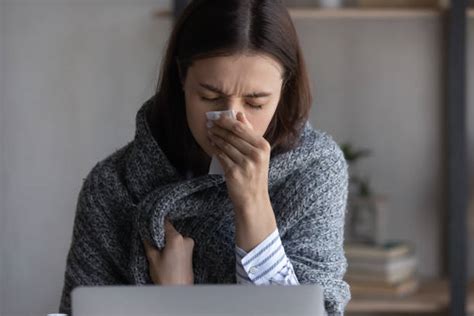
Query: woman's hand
x=244 y=156
x=174 y=263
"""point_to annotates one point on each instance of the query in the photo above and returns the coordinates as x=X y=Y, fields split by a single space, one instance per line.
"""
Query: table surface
x=432 y=296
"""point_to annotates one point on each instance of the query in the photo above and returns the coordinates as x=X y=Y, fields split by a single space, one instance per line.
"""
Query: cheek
x=196 y=118
x=260 y=124
x=260 y=119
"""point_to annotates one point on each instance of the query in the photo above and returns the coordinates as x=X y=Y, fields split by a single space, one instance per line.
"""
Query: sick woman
x=153 y=213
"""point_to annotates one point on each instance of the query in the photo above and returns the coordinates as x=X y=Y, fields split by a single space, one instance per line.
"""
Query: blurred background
x=73 y=73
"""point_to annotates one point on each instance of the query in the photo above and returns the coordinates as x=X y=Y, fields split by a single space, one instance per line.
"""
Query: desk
x=432 y=297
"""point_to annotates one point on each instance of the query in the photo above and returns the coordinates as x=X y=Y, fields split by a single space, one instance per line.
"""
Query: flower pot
x=330 y=4
x=367 y=219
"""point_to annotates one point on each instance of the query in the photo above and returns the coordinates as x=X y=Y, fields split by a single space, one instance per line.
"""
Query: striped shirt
x=265 y=264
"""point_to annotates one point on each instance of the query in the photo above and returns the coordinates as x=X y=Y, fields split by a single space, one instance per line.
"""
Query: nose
x=235 y=104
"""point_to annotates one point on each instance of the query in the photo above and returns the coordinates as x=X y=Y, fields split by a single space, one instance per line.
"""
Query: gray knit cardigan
x=126 y=196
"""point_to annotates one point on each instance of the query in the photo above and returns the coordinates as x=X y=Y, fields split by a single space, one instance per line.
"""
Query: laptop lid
x=202 y=299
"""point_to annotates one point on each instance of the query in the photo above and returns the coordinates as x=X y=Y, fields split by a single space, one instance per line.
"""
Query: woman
x=151 y=213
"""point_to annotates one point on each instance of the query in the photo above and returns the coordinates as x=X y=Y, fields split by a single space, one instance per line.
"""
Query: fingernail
x=210 y=140
x=209 y=124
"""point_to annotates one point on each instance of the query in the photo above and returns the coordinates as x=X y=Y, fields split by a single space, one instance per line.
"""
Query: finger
x=226 y=162
x=238 y=128
x=170 y=230
x=232 y=152
x=151 y=251
x=190 y=242
x=229 y=137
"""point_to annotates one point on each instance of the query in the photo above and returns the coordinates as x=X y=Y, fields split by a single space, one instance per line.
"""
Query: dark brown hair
x=208 y=28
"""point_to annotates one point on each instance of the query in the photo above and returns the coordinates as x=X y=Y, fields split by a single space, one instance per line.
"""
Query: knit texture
x=125 y=198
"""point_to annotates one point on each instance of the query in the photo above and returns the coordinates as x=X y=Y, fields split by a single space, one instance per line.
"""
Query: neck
x=198 y=161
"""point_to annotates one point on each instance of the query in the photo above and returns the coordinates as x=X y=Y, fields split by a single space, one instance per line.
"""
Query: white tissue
x=215 y=115
x=215 y=167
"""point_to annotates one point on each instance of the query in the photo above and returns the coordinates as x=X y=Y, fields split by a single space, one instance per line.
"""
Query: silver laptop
x=202 y=299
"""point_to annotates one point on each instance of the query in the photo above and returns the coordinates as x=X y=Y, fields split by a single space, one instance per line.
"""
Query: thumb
x=151 y=251
x=242 y=118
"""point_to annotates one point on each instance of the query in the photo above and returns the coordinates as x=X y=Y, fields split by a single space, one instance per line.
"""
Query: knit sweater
x=126 y=196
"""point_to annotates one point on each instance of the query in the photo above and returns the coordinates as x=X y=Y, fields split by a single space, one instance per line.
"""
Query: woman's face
x=244 y=83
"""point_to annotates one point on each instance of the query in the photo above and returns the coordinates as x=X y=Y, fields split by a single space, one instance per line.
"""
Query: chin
x=206 y=147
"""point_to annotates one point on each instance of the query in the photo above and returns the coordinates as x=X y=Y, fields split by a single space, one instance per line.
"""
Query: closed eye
x=255 y=106
x=209 y=99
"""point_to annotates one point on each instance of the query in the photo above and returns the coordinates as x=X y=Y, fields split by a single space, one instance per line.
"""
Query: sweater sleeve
x=266 y=263
x=314 y=241
x=88 y=261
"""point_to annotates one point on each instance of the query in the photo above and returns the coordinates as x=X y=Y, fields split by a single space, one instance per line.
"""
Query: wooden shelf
x=364 y=13
x=432 y=297
x=351 y=13
x=310 y=12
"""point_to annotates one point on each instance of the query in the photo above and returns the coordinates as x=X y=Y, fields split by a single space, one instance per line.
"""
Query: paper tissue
x=215 y=167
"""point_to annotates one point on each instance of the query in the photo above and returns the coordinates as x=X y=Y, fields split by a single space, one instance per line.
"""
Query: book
x=399 y=3
x=384 y=266
x=392 y=278
x=371 y=289
x=380 y=282
x=388 y=250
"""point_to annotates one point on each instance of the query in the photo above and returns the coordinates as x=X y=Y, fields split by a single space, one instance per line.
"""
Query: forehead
x=252 y=71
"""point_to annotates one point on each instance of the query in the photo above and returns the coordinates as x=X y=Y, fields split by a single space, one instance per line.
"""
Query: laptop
x=199 y=299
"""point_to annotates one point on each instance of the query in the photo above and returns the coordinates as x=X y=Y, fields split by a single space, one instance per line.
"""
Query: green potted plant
x=366 y=218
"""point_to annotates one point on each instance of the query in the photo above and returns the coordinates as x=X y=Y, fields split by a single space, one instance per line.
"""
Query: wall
x=470 y=127
x=2 y=164
x=76 y=71
x=378 y=84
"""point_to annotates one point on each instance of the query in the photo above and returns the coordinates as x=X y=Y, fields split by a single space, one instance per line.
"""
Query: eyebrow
x=250 y=95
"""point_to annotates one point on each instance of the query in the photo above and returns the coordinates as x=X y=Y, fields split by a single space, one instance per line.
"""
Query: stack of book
x=387 y=270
